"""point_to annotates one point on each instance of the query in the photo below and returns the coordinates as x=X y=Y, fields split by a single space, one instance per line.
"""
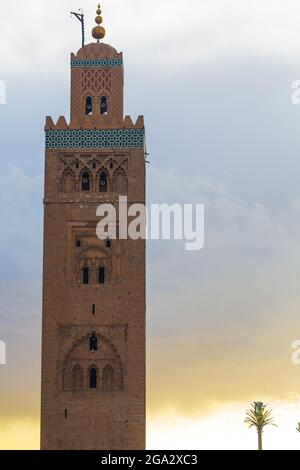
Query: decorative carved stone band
x=84 y=138
x=97 y=63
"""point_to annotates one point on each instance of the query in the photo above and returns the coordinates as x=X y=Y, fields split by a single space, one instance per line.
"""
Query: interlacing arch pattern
x=96 y=87
x=94 y=175
x=95 y=80
x=68 y=179
x=93 y=266
x=100 y=370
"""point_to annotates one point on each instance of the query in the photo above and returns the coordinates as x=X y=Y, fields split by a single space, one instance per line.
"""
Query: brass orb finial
x=98 y=31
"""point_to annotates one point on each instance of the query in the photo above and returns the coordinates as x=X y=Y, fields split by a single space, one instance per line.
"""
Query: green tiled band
x=97 y=63
x=116 y=138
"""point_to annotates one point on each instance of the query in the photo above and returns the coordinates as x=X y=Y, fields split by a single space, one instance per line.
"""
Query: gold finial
x=98 y=31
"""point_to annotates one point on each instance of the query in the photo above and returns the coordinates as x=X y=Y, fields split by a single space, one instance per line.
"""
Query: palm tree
x=298 y=427
x=259 y=417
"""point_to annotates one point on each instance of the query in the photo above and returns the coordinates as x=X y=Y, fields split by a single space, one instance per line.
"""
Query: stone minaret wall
x=111 y=414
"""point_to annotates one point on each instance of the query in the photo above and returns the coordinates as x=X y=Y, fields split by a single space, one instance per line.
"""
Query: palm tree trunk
x=259 y=434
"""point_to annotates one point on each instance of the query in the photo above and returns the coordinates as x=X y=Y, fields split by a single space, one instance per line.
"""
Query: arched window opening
x=103 y=105
x=77 y=378
x=78 y=244
x=85 y=275
x=108 y=378
x=102 y=275
x=85 y=182
x=103 y=182
x=108 y=243
x=93 y=343
x=93 y=377
x=88 y=105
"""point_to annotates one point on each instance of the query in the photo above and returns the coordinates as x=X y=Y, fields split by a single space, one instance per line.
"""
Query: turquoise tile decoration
x=97 y=63
x=95 y=138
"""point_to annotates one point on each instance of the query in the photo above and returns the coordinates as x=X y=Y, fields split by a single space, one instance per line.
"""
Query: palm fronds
x=258 y=416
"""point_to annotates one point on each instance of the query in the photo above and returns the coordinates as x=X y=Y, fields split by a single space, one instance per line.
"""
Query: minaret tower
x=93 y=347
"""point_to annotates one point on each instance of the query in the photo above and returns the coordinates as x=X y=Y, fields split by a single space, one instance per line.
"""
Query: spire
x=98 y=31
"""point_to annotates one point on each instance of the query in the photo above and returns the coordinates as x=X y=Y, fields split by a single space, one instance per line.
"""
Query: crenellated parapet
x=77 y=135
x=91 y=122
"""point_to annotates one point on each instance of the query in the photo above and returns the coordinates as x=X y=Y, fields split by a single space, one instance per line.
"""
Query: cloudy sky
x=213 y=79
